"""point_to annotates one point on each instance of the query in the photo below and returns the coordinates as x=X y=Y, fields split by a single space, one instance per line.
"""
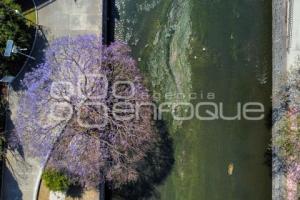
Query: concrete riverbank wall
x=279 y=50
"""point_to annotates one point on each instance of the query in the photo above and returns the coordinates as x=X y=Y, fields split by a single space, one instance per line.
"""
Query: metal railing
x=290 y=23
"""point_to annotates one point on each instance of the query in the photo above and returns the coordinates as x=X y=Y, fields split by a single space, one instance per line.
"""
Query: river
x=207 y=47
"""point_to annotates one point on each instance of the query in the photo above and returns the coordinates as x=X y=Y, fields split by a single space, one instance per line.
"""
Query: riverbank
x=284 y=55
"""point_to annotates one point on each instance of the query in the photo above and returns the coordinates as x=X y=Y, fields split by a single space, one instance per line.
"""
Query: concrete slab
x=69 y=17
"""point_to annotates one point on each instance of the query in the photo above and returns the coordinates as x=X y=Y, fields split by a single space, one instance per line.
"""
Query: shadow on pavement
x=42 y=3
x=11 y=188
x=75 y=191
x=28 y=4
x=13 y=142
x=25 y=5
x=110 y=15
x=38 y=53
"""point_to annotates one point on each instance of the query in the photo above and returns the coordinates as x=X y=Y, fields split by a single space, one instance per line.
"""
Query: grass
x=30 y=15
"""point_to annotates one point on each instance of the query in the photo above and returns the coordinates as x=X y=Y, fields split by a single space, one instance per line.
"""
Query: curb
x=37 y=186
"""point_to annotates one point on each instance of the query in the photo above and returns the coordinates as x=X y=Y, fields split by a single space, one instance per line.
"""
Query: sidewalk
x=58 y=18
x=279 y=54
x=294 y=51
x=70 y=17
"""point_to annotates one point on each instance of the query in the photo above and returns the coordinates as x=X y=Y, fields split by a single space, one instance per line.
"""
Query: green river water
x=207 y=46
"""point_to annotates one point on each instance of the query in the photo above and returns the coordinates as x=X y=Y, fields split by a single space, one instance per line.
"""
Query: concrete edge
x=279 y=67
x=37 y=185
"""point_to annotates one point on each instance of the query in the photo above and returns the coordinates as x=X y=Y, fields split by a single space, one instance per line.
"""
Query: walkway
x=70 y=17
x=294 y=51
x=58 y=18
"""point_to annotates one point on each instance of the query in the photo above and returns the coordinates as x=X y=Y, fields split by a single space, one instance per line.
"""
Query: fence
x=290 y=23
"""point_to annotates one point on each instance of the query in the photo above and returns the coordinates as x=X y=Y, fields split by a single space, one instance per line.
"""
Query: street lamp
x=20 y=14
x=17 y=12
x=11 y=48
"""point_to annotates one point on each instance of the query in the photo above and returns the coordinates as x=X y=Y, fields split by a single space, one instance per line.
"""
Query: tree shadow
x=269 y=119
x=13 y=141
x=11 y=189
x=110 y=15
x=25 y=5
x=75 y=191
x=268 y=160
x=28 y=4
x=153 y=171
x=279 y=166
x=43 y=3
x=41 y=43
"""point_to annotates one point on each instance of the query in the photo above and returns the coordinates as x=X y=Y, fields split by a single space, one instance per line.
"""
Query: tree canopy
x=286 y=139
x=76 y=118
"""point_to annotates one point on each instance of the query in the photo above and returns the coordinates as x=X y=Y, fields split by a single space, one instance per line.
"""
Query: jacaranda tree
x=286 y=140
x=78 y=112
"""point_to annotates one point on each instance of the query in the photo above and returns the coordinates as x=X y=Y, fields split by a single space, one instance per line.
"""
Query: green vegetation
x=56 y=181
x=13 y=26
x=288 y=139
x=30 y=15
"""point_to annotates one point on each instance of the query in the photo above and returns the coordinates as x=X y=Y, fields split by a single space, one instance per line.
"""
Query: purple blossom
x=88 y=155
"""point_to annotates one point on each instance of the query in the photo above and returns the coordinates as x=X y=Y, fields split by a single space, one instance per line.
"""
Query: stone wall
x=279 y=51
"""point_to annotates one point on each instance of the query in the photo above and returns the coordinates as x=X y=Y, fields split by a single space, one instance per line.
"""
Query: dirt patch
x=44 y=192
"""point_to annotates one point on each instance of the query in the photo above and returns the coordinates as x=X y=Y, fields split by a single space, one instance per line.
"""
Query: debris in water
x=261 y=75
x=231 y=36
x=230 y=169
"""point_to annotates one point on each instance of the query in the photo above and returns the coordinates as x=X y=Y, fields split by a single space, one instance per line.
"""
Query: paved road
x=58 y=18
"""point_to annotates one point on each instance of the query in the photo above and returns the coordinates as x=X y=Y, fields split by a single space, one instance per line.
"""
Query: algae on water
x=163 y=50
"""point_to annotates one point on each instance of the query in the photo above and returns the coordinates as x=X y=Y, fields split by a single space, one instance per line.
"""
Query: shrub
x=14 y=27
x=56 y=181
